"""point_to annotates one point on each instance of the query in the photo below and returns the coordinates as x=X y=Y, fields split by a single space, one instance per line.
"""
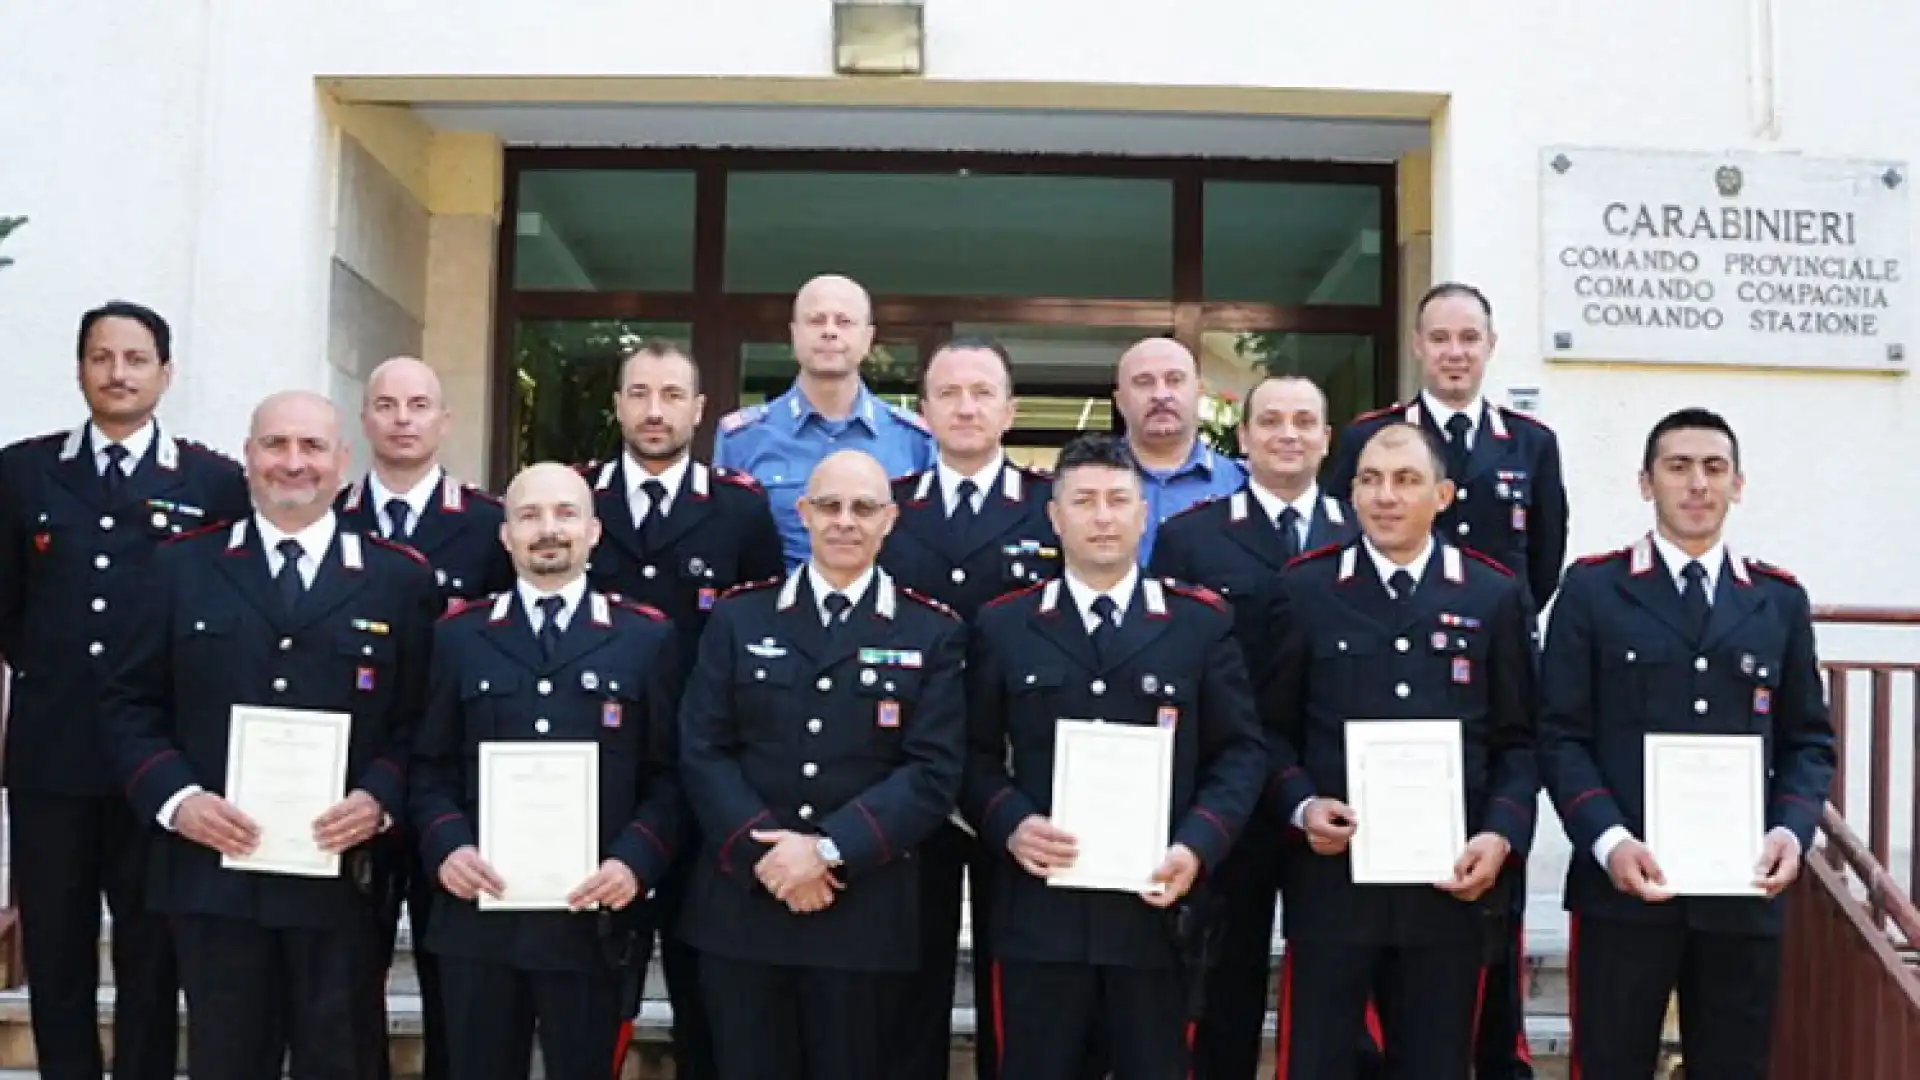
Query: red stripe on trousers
x=1373 y=1027
x=1193 y=1029
x=1283 y=1004
x=1521 y=1049
x=1573 y=996
x=1479 y=1004
x=620 y=1044
x=999 y=1021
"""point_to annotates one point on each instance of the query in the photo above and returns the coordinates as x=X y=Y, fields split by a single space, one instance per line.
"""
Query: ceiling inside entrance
x=928 y=129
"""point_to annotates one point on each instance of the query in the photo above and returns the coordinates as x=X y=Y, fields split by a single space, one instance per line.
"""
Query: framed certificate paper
x=539 y=820
x=286 y=767
x=1113 y=793
x=1405 y=783
x=1706 y=815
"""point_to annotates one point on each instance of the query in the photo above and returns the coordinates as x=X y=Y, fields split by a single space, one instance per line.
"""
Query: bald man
x=822 y=737
x=408 y=497
x=828 y=408
x=1157 y=390
x=283 y=610
x=549 y=662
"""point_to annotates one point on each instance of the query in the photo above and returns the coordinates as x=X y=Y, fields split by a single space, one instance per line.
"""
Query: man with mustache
x=81 y=515
x=1237 y=546
x=549 y=660
x=828 y=409
x=1509 y=503
x=283 y=609
x=1678 y=632
x=1157 y=390
x=674 y=535
x=822 y=739
x=409 y=498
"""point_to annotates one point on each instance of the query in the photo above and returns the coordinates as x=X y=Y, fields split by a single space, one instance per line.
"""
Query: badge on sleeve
x=1762 y=700
x=610 y=715
x=889 y=714
x=363 y=679
x=1462 y=671
x=1168 y=717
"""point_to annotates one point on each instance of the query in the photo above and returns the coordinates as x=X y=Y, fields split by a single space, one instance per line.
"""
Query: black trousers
x=406 y=880
x=1426 y=998
x=67 y=851
x=1622 y=974
x=256 y=994
x=1500 y=1050
x=1045 y=1014
x=492 y=1012
x=925 y=1029
x=1226 y=1044
x=790 y=1023
x=680 y=967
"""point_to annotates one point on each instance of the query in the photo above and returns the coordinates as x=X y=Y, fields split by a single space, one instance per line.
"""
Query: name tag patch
x=1169 y=716
x=707 y=597
x=610 y=715
x=1762 y=701
x=1462 y=671
x=363 y=679
x=1519 y=519
x=888 y=715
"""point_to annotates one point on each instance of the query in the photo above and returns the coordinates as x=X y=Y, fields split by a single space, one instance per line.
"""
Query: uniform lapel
x=77 y=469
x=692 y=504
x=1439 y=583
x=244 y=562
x=925 y=513
x=1490 y=442
x=440 y=521
x=1358 y=583
x=342 y=574
x=510 y=631
x=1650 y=585
x=1324 y=530
x=1000 y=507
x=1145 y=620
x=614 y=510
x=157 y=473
x=1061 y=625
x=1734 y=599
x=1249 y=526
x=590 y=628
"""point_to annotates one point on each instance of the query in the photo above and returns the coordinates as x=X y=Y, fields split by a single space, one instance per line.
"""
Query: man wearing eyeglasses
x=821 y=742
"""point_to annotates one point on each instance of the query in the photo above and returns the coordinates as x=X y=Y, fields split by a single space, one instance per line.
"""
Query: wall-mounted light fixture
x=879 y=37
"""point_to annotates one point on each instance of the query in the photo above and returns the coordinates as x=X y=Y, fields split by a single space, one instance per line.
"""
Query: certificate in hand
x=1706 y=815
x=539 y=821
x=1113 y=793
x=286 y=767
x=1405 y=783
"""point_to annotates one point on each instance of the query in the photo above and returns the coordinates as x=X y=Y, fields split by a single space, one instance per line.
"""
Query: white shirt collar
x=821 y=587
x=1677 y=560
x=137 y=445
x=569 y=595
x=1084 y=595
x=983 y=480
x=1385 y=567
x=671 y=479
x=315 y=539
x=416 y=497
x=1442 y=412
x=1271 y=504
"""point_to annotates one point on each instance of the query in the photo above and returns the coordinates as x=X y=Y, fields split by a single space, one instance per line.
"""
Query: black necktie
x=656 y=493
x=115 y=474
x=288 y=579
x=1402 y=585
x=963 y=514
x=1693 y=597
x=1289 y=525
x=549 y=623
x=1457 y=427
x=836 y=605
x=1103 y=628
x=397 y=512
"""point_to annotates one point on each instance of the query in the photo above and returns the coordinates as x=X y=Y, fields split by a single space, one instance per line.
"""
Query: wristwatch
x=829 y=851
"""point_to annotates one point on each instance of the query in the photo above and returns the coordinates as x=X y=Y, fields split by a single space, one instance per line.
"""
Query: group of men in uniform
x=823 y=676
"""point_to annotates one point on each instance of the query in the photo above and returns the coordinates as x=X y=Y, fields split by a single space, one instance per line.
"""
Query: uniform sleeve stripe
x=156 y=759
x=726 y=849
x=398 y=770
x=439 y=821
x=1788 y=797
x=886 y=850
x=641 y=828
x=994 y=803
x=1524 y=812
x=1214 y=820
x=1583 y=797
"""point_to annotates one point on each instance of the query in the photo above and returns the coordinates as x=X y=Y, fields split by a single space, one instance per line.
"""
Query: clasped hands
x=466 y=875
x=1330 y=825
x=1040 y=847
x=793 y=871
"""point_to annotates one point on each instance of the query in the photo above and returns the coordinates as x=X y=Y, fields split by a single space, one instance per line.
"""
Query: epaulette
x=639 y=608
x=749 y=586
x=737 y=477
x=1376 y=414
x=481 y=493
x=1482 y=556
x=392 y=545
x=1773 y=571
x=741 y=418
x=1208 y=501
x=461 y=606
x=1036 y=471
x=1602 y=557
x=1309 y=556
x=49 y=437
x=1196 y=592
x=587 y=468
x=1015 y=594
x=1515 y=414
x=203 y=448
x=211 y=526
x=929 y=602
x=909 y=416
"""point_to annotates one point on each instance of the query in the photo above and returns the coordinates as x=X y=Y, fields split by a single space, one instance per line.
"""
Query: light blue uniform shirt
x=1203 y=475
x=780 y=443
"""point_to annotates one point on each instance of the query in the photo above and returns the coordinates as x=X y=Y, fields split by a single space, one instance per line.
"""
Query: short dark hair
x=126 y=309
x=966 y=342
x=1453 y=288
x=657 y=348
x=1436 y=450
x=1094 y=451
x=1688 y=419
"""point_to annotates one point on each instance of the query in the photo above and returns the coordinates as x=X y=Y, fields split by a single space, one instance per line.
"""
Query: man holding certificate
x=1115 y=756
x=262 y=717
x=1686 y=744
x=1403 y=709
x=544 y=795
x=823 y=738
